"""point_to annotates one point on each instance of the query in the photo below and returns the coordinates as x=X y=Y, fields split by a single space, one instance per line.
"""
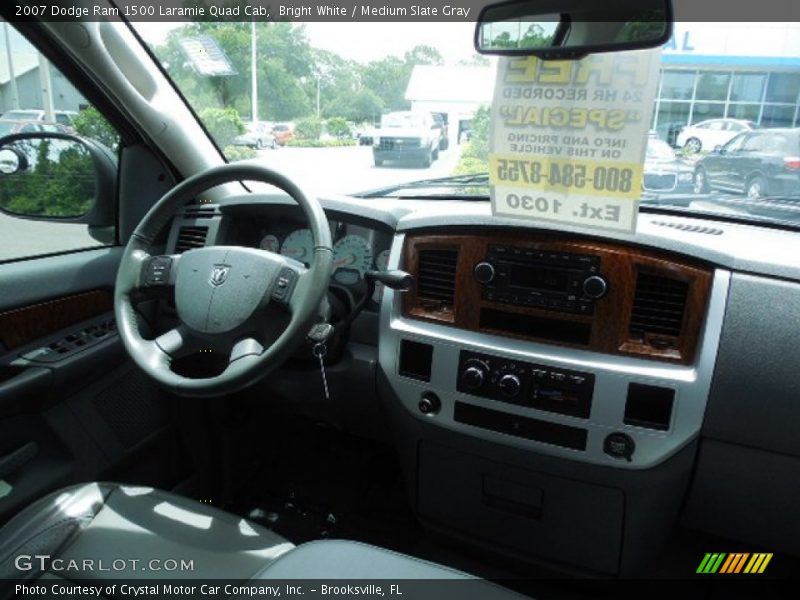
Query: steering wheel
x=251 y=305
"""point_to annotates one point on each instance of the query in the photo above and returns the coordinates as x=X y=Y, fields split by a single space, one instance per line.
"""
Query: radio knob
x=595 y=287
x=473 y=377
x=484 y=272
x=509 y=386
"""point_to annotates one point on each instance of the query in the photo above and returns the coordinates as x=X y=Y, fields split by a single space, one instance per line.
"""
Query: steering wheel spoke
x=246 y=347
x=179 y=341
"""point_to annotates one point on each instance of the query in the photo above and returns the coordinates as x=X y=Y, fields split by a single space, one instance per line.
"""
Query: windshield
x=335 y=105
x=406 y=120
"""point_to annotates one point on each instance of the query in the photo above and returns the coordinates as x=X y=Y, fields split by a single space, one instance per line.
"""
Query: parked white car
x=707 y=135
x=256 y=135
x=62 y=117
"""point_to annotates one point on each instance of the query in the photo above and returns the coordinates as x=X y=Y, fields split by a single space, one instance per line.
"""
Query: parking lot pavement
x=351 y=169
x=320 y=170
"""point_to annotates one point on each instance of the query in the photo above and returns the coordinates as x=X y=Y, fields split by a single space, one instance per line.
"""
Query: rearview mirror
x=50 y=176
x=571 y=29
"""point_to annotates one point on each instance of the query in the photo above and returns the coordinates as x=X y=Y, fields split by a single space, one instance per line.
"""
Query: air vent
x=190 y=237
x=436 y=276
x=205 y=211
x=658 y=306
x=692 y=228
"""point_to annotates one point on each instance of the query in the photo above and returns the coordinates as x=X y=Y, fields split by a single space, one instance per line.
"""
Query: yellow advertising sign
x=569 y=138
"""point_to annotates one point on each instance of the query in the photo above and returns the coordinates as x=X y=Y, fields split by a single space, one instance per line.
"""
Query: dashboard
x=552 y=383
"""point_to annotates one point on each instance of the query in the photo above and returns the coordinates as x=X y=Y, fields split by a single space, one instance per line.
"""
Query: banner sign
x=568 y=138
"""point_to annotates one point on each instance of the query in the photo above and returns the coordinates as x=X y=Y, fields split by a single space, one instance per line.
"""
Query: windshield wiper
x=454 y=181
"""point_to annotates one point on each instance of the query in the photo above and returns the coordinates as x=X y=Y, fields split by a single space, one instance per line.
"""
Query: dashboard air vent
x=190 y=237
x=658 y=306
x=436 y=275
x=691 y=228
x=202 y=211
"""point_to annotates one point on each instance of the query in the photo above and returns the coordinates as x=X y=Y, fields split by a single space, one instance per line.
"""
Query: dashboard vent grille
x=204 y=211
x=190 y=237
x=658 y=306
x=436 y=275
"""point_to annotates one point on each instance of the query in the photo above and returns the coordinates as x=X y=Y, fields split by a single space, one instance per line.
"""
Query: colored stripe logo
x=735 y=562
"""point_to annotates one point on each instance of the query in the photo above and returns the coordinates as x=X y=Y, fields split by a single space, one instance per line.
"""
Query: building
x=737 y=70
x=24 y=62
x=456 y=91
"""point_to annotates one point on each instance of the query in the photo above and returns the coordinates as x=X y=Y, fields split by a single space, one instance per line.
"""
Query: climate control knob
x=595 y=287
x=509 y=386
x=483 y=272
x=473 y=377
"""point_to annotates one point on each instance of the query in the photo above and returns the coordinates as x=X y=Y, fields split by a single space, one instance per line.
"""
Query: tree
x=91 y=124
x=363 y=105
x=285 y=61
x=308 y=129
x=338 y=128
x=224 y=124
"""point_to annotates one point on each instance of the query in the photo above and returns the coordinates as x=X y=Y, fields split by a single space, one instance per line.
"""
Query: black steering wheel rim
x=251 y=361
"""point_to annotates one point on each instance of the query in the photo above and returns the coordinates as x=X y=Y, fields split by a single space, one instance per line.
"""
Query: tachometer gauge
x=381 y=262
x=299 y=245
x=352 y=256
x=270 y=242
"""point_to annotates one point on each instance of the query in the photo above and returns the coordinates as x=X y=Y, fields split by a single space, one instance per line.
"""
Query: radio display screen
x=539 y=278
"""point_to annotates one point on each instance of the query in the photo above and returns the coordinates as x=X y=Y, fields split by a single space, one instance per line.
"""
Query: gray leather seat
x=108 y=521
x=128 y=526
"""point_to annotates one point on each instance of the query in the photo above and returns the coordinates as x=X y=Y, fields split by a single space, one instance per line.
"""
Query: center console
x=548 y=383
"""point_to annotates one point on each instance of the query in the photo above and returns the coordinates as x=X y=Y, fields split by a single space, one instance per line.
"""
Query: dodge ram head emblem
x=219 y=275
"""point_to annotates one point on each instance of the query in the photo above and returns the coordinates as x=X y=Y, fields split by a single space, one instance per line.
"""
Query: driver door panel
x=73 y=407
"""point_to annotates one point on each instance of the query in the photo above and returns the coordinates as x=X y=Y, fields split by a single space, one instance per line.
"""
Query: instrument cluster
x=356 y=249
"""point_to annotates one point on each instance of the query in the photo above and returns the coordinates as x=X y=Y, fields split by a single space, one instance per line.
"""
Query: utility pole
x=318 y=77
x=253 y=75
x=12 y=77
x=47 y=88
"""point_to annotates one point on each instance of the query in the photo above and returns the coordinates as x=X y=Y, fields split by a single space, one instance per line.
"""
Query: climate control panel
x=546 y=388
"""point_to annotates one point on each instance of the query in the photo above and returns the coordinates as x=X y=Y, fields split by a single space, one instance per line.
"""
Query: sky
x=373 y=40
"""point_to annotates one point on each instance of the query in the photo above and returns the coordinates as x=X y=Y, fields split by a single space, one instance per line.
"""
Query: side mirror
x=571 y=29
x=53 y=176
x=719 y=149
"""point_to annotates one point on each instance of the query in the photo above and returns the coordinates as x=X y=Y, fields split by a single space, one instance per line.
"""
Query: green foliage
x=93 y=125
x=223 y=124
x=234 y=153
x=291 y=76
x=59 y=181
x=475 y=154
x=362 y=105
x=308 y=129
x=296 y=143
x=284 y=63
x=338 y=127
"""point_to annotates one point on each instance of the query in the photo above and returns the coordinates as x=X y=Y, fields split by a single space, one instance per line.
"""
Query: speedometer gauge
x=299 y=245
x=352 y=256
x=269 y=242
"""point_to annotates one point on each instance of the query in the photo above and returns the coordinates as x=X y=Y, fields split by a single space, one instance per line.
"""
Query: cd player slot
x=555 y=330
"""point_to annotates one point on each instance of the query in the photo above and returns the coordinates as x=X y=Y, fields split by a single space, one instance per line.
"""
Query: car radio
x=541 y=278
